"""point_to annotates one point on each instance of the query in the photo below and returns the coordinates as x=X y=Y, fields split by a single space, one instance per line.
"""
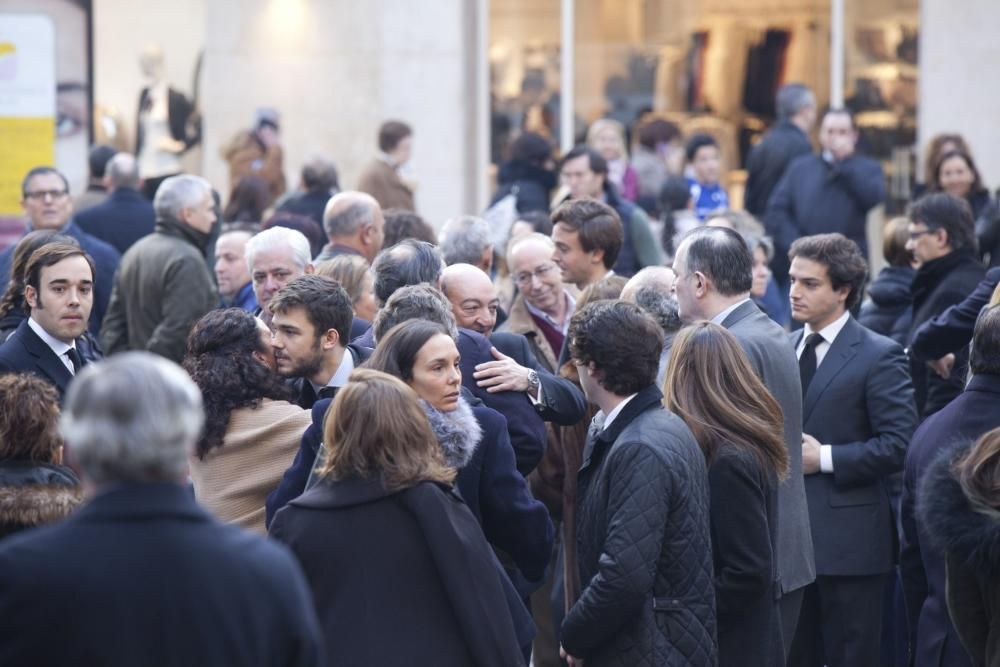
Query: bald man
x=652 y=290
x=474 y=303
x=354 y=225
x=126 y=215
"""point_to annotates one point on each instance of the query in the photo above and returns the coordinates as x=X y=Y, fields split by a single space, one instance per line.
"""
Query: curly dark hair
x=29 y=422
x=220 y=361
x=621 y=340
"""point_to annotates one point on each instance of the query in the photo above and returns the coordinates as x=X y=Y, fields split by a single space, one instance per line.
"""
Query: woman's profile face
x=266 y=356
x=761 y=273
x=955 y=176
x=436 y=375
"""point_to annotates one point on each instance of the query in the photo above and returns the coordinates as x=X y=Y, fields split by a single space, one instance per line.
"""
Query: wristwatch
x=533 y=382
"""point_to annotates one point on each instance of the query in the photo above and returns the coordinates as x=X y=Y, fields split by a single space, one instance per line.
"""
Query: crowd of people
x=608 y=421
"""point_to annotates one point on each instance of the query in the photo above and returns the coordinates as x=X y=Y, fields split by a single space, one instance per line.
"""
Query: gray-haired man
x=141 y=573
x=163 y=285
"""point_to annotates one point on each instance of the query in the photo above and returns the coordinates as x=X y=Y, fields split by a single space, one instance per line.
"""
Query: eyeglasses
x=42 y=194
x=916 y=235
x=524 y=278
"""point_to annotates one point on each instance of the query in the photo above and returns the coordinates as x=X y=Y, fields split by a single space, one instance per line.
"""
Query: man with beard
x=310 y=327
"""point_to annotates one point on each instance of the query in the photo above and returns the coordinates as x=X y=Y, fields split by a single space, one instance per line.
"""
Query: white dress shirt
x=617 y=411
x=342 y=373
x=57 y=346
x=828 y=334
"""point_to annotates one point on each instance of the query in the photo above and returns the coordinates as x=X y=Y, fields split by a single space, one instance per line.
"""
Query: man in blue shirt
x=704 y=156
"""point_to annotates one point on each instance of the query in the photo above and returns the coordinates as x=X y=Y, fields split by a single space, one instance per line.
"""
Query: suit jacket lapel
x=842 y=351
x=45 y=358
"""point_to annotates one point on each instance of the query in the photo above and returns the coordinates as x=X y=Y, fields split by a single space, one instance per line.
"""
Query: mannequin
x=164 y=124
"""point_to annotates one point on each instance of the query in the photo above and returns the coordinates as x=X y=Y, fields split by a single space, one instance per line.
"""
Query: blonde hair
x=376 y=427
x=349 y=271
x=602 y=124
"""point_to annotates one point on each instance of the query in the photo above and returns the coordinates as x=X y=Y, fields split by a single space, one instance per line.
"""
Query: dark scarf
x=180 y=230
x=933 y=273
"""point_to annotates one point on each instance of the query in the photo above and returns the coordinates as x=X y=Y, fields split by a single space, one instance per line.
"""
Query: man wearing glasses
x=543 y=307
x=47 y=205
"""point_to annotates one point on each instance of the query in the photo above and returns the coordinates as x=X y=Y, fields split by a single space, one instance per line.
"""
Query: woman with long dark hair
x=473 y=439
x=399 y=570
x=252 y=430
x=960 y=509
x=711 y=385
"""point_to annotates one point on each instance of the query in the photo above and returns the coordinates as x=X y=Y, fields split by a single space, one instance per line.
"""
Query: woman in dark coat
x=960 y=507
x=738 y=424
x=887 y=309
x=35 y=488
x=399 y=570
x=529 y=174
x=473 y=440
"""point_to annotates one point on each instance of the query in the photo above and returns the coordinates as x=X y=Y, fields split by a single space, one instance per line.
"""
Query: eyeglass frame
x=40 y=195
x=525 y=277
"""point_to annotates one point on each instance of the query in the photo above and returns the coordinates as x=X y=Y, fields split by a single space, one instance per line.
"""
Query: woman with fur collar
x=474 y=441
x=960 y=507
x=35 y=488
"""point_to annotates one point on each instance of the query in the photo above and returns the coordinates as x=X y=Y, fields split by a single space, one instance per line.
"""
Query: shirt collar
x=56 y=345
x=830 y=331
x=570 y=309
x=342 y=373
x=721 y=317
x=617 y=411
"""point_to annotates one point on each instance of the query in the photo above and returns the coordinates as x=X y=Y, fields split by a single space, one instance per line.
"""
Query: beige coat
x=382 y=182
x=233 y=480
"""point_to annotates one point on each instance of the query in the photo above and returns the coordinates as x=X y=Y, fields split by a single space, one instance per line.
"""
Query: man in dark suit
x=47 y=205
x=829 y=192
x=787 y=140
x=474 y=303
x=58 y=295
x=126 y=215
x=933 y=641
x=858 y=416
x=714 y=270
x=310 y=326
x=141 y=573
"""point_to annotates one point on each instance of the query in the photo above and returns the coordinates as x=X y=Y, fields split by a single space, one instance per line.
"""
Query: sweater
x=233 y=480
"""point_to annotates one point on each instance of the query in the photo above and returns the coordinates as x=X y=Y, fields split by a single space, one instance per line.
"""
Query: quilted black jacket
x=645 y=554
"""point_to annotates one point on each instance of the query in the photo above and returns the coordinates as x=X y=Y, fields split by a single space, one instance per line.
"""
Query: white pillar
x=837 y=53
x=566 y=67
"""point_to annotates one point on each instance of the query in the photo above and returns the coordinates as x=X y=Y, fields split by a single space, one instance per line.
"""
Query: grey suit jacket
x=773 y=357
x=860 y=402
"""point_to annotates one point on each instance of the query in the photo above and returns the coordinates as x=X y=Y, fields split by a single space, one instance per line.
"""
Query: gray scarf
x=458 y=432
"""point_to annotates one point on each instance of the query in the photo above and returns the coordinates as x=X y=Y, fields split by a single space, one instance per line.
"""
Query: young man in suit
x=858 y=416
x=141 y=554
x=714 y=273
x=58 y=295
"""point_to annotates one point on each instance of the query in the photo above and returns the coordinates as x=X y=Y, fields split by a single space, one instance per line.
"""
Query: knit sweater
x=233 y=480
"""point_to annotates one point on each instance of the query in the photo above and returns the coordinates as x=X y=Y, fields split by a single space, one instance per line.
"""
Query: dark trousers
x=789 y=607
x=840 y=624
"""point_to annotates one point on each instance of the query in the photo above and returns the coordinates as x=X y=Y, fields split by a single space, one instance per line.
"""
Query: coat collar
x=984 y=382
x=134 y=500
x=842 y=350
x=746 y=309
x=45 y=358
x=520 y=321
x=646 y=399
x=335 y=494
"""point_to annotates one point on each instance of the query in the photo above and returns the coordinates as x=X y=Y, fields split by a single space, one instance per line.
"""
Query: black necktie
x=807 y=362
x=75 y=358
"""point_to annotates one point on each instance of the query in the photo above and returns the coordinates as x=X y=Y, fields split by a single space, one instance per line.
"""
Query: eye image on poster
x=45 y=97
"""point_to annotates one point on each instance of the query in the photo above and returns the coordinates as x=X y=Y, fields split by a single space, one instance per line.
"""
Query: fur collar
x=34 y=505
x=458 y=432
x=970 y=536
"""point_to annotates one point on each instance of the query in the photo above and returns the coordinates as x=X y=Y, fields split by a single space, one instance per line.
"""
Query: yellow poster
x=27 y=102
